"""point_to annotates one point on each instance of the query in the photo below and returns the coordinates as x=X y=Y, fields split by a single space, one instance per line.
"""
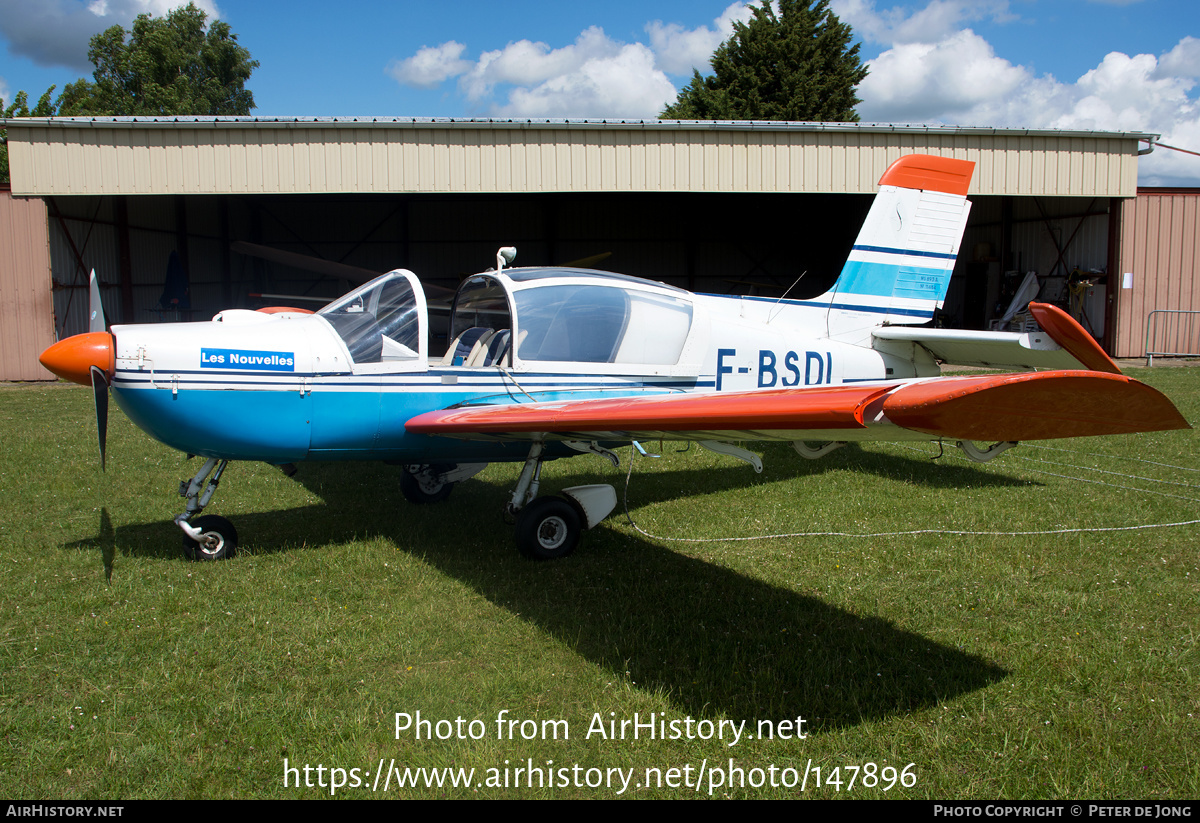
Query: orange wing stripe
x=1033 y=406
x=835 y=407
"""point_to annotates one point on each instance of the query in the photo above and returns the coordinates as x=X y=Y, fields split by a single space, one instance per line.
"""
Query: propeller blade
x=95 y=307
x=100 y=394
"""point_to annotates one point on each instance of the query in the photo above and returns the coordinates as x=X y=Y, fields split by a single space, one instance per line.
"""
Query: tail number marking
x=810 y=368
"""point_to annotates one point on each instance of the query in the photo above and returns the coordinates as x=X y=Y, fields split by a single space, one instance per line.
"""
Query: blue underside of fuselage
x=290 y=427
x=278 y=426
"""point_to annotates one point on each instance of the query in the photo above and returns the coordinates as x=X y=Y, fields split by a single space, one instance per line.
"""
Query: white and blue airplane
x=547 y=363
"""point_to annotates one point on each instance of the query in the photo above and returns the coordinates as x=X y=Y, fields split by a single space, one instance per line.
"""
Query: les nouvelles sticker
x=248 y=360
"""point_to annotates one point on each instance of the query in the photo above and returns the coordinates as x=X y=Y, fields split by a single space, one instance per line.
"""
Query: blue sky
x=1122 y=65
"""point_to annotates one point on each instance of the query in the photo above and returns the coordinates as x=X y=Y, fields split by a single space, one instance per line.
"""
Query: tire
x=548 y=528
x=221 y=539
x=419 y=489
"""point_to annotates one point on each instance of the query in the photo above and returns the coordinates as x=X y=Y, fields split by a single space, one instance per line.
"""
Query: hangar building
x=184 y=216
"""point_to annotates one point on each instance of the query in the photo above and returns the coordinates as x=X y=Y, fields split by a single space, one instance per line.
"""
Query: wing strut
x=531 y=478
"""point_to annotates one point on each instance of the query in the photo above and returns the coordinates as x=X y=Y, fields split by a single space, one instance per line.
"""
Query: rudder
x=899 y=268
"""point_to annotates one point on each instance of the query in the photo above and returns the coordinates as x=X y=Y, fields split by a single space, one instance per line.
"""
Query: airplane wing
x=1028 y=406
x=1061 y=344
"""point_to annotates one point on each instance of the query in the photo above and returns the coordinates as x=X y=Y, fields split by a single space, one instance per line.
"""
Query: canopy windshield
x=379 y=321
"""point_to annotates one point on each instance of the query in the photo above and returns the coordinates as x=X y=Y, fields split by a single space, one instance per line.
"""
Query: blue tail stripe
x=888 y=280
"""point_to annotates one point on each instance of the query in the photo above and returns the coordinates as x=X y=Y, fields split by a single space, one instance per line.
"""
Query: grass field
x=998 y=666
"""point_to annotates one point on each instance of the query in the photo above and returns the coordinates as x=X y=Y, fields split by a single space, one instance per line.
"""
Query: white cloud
x=938 y=20
x=678 y=50
x=962 y=82
x=4 y=95
x=935 y=69
x=57 y=32
x=595 y=76
x=431 y=66
x=1124 y=93
x=920 y=82
x=1135 y=93
x=624 y=84
x=526 y=63
x=1183 y=60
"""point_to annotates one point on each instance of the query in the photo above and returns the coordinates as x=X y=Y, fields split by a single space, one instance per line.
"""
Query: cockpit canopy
x=572 y=315
x=518 y=316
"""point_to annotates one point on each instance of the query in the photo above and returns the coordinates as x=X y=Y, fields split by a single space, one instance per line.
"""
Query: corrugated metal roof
x=558 y=123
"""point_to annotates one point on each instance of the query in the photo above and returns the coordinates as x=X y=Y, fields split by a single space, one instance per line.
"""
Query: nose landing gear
x=209 y=537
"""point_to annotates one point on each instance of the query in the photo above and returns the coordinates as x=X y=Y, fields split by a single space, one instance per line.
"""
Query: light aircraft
x=547 y=363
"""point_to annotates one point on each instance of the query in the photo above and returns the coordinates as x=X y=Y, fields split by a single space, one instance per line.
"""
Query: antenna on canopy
x=505 y=255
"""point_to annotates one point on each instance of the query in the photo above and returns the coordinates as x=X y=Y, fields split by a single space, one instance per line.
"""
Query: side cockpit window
x=601 y=324
x=657 y=329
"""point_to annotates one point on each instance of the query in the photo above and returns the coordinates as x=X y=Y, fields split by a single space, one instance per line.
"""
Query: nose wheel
x=218 y=539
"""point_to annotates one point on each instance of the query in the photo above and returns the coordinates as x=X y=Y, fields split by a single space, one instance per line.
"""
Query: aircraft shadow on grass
x=712 y=639
x=780 y=463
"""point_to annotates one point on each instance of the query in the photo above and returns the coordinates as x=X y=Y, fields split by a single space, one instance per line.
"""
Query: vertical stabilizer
x=899 y=269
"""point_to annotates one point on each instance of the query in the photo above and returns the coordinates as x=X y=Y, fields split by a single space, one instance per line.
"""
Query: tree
x=794 y=65
x=20 y=108
x=169 y=66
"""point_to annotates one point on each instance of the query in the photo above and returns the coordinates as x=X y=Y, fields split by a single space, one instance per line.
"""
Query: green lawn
x=998 y=665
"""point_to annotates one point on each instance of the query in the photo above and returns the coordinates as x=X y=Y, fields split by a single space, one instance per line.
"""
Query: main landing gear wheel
x=423 y=487
x=548 y=528
x=218 y=542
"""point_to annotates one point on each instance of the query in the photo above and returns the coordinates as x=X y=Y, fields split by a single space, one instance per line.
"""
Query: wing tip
x=1033 y=406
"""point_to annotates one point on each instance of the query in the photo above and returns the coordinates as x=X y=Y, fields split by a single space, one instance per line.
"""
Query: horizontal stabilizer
x=986 y=349
x=1061 y=344
x=1031 y=406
